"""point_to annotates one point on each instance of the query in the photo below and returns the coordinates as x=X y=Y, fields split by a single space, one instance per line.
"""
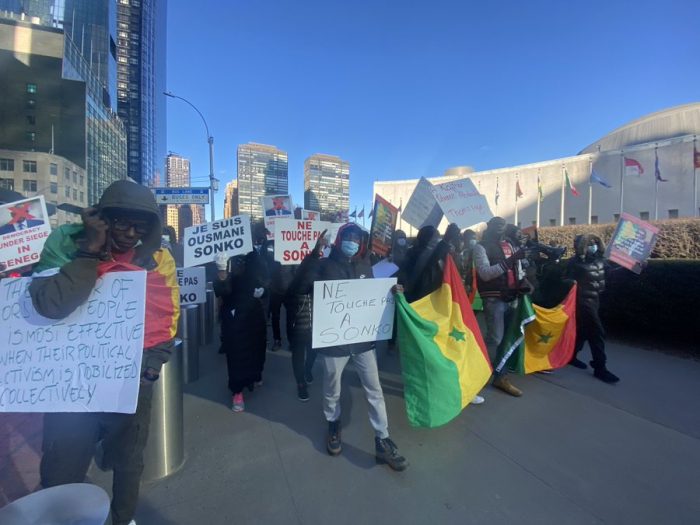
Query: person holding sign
x=122 y=233
x=348 y=260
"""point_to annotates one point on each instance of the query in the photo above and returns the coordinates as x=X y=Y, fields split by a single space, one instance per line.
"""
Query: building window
x=31 y=120
x=7 y=164
x=572 y=220
x=29 y=185
x=7 y=184
x=75 y=177
x=30 y=136
x=53 y=169
x=29 y=166
x=67 y=192
x=82 y=197
x=54 y=187
x=552 y=222
x=82 y=180
x=594 y=219
x=66 y=173
x=31 y=88
x=672 y=214
x=75 y=194
x=616 y=216
x=644 y=215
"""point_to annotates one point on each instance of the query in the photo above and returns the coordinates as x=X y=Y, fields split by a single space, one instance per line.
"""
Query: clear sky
x=404 y=89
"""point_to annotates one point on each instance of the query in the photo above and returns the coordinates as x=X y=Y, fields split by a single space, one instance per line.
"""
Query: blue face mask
x=592 y=249
x=349 y=248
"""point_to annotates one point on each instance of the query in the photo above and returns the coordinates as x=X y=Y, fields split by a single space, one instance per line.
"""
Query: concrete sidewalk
x=571 y=450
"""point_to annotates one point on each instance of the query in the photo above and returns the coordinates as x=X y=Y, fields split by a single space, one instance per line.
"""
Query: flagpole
x=516 y=200
x=561 y=210
x=622 y=179
x=539 y=198
x=695 y=180
x=590 y=189
x=656 y=183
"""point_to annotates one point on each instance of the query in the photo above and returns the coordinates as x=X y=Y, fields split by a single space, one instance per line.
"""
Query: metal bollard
x=211 y=316
x=202 y=322
x=188 y=331
x=165 y=451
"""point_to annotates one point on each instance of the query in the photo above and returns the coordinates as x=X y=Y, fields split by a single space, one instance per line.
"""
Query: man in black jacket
x=587 y=267
x=348 y=260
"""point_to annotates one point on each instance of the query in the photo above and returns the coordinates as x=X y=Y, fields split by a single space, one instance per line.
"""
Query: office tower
x=231 y=199
x=177 y=175
x=198 y=216
x=262 y=170
x=56 y=99
x=326 y=185
x=141 y=37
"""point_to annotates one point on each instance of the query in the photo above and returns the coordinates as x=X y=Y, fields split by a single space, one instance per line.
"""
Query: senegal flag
x=539 y=338
x=443 y=356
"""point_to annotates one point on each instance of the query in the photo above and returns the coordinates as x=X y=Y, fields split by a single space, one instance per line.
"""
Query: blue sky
x=404 y=89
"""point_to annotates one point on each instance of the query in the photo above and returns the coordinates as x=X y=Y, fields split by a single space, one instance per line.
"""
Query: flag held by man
x=443 y=356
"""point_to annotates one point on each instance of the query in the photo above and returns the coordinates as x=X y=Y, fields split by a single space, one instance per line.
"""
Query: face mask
x=401 y=242
x=349 y=248
x=592 y=249
x=472 y=243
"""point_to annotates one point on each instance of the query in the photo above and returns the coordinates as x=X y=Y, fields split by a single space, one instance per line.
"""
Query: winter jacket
x=588 y=271
x=57 y=295
x=491 y=271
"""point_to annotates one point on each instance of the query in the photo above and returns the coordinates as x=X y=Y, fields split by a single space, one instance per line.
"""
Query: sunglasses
x=123 y=225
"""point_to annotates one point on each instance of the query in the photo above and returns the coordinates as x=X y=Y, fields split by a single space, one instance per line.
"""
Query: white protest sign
x=462 y=203
x=422 y=209
x=24 y=227
x=294 y=239
x=352 y=311
x=384 y=268
x=193 y=285
x=311 y=215
x=88 y=362
x=230 y=236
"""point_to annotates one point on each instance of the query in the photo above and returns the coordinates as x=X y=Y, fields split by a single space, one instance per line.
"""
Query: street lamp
x=213 y=182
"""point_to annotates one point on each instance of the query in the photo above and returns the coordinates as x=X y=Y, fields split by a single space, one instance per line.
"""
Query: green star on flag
x=457 y=335
x=544 y=338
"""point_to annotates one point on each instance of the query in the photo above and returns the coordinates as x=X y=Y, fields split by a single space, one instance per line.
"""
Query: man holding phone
x=123 y=232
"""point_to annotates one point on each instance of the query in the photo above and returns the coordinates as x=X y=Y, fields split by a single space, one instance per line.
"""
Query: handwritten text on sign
x=294 y=239
x=462 y=203
x=230 y=236
x=88 y=362
x=422 y=209
x=354 y=311
x=193 y=285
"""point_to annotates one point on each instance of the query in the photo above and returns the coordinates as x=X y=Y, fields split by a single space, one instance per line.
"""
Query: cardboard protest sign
x=422 y=208
x=381 y=233
x=352 y=311
x=24 y=227
x=462 y=203
x=275 y=207
x=384 y=268
x=230 y=236
x=631 y=243
x=311 y=215
x=294 y=239
x=88 y=362
x=193 y=285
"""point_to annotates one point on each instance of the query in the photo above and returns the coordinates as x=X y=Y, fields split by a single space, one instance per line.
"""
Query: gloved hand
x=258 y=292
x=221 y=262
x=520 y=254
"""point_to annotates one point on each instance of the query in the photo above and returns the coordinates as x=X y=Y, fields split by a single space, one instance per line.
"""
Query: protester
x=122 y=233
x=169 y=241
x=587 y=267
x=279 y=278
x=243 y=327
x=348 y=260
x=467 y=269
x=298 y=308
x=500 y=279
x=399 y=248
x=421 y=273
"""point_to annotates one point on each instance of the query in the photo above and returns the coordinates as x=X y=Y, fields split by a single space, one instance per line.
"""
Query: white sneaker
x=132 y=522
x=478 y=400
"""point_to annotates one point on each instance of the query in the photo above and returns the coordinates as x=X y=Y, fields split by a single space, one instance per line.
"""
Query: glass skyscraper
x=177 y=175
x=327 y=185
x=262 y=170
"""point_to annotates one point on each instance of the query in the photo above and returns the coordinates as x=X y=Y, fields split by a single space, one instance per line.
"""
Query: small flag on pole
x=371 y=213
x=361 y=215
x=600 y=180
x=571 y=187
x=657 y=171
x=496 y=197
x=354 y=213
x=518 y=191
x=539 y=189
x=633 y=167
x=696 y=158
x=400 y=205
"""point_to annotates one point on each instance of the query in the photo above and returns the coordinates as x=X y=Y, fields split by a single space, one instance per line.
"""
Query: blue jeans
x=497 y=315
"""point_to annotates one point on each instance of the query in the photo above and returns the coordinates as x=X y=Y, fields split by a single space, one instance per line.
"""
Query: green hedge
x=678 y=238
x=660 y=306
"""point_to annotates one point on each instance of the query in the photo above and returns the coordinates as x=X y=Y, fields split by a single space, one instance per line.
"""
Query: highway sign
x=181 y=195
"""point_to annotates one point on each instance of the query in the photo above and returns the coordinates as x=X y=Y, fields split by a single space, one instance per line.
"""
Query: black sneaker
x=302 y=393
x=333 y=444
x=386 y=452
x=605 y=375
x=577 y=363
x=308 y=377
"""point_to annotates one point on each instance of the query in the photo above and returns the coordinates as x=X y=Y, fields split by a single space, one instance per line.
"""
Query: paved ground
x=572 y=450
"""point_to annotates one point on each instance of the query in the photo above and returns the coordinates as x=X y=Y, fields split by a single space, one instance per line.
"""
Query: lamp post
x=213 y=182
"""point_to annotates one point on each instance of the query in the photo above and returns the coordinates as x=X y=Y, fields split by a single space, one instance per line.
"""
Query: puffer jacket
x=57 y=295
x=588 y=271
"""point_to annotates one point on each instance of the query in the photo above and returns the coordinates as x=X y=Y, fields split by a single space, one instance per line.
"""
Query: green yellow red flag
x=443 y=356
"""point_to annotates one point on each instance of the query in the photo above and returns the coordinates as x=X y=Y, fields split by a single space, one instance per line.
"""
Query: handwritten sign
x=462 y=203
x=422 y=209
x=193 y=285
x=352 y=311
x=88 y=362
x=230 y=236
x=631 y=243
x=294 y=239
x=24 y=227
x=383 y=224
